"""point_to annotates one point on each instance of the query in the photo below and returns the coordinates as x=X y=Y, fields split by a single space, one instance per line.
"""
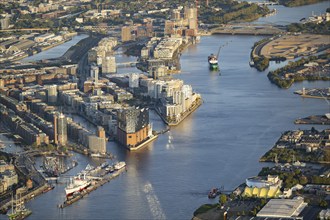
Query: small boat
x=120 y=165
x=213 y=193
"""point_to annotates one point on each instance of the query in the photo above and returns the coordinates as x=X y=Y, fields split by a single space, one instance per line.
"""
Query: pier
x=99 y=181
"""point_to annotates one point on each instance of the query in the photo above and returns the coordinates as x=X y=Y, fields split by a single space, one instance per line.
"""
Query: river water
x=242 y=116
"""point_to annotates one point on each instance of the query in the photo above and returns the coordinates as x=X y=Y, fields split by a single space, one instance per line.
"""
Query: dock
x=97 y=182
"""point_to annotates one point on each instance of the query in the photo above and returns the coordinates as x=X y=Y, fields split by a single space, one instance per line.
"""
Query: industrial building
x=283 y=208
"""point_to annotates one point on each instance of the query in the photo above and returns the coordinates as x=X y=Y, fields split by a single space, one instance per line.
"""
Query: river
x=242 y=116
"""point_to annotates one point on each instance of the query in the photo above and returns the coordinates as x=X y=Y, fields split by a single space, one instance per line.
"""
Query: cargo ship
x=213 y=59
x=213 y=62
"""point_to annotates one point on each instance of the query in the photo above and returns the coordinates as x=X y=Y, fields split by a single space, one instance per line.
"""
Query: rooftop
x=282 y=208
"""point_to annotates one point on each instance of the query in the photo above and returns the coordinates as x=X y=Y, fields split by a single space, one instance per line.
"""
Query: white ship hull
x=76 y=186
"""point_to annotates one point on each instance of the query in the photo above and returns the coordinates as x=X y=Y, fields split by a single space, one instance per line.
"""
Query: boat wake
x=153 y=202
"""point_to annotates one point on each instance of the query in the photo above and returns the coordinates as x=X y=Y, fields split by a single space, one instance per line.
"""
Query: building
x=60 y=130
x=133 y=126
x=21 y=45
x=263 y=187
x=283 y=208
x=109 y=65
x=8 y=176
x=324 y=214
x=51 y=94
x=134 y=80
x=5 y=22
x=97 y=143
x=94 y=73
x=126 y=34
x=44 y=37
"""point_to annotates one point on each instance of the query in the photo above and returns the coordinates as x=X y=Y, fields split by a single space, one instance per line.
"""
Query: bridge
x=262 y=3
x=127 y=64
x=265 y=3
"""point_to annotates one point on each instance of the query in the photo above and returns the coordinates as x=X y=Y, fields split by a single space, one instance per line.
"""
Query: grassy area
x=204 y=208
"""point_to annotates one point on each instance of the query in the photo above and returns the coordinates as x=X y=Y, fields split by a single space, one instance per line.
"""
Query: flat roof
x=282 y=208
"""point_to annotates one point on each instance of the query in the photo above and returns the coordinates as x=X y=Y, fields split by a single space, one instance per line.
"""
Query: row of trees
x=321 y=28
x=293 y=3
x=233 y=11
x=261 y=63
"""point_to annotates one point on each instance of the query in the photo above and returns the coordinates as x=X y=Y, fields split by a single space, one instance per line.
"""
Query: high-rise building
x=62 y=136
x=133 y=126
x=126 y=34
x=95 y=73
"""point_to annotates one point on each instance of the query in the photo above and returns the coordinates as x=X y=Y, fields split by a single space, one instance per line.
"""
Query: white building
x=134 y=80
x=109 y=65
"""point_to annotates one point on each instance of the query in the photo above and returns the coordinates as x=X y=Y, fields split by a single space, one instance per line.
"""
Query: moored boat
x=120 y=165
x=77 y=184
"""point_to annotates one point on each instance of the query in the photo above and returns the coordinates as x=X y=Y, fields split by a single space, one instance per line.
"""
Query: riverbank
x=314 y=119
x=303 y=145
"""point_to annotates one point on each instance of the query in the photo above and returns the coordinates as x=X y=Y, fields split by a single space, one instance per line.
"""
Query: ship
x=78 y=184
x=19 y=212
x=120 y=165
x=213 y=61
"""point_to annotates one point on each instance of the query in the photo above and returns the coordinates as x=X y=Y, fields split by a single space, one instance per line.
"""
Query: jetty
x=96 y=183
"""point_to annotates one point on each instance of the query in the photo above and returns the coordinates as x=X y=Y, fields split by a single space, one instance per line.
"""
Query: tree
x=323 y=204
x=222 y=199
